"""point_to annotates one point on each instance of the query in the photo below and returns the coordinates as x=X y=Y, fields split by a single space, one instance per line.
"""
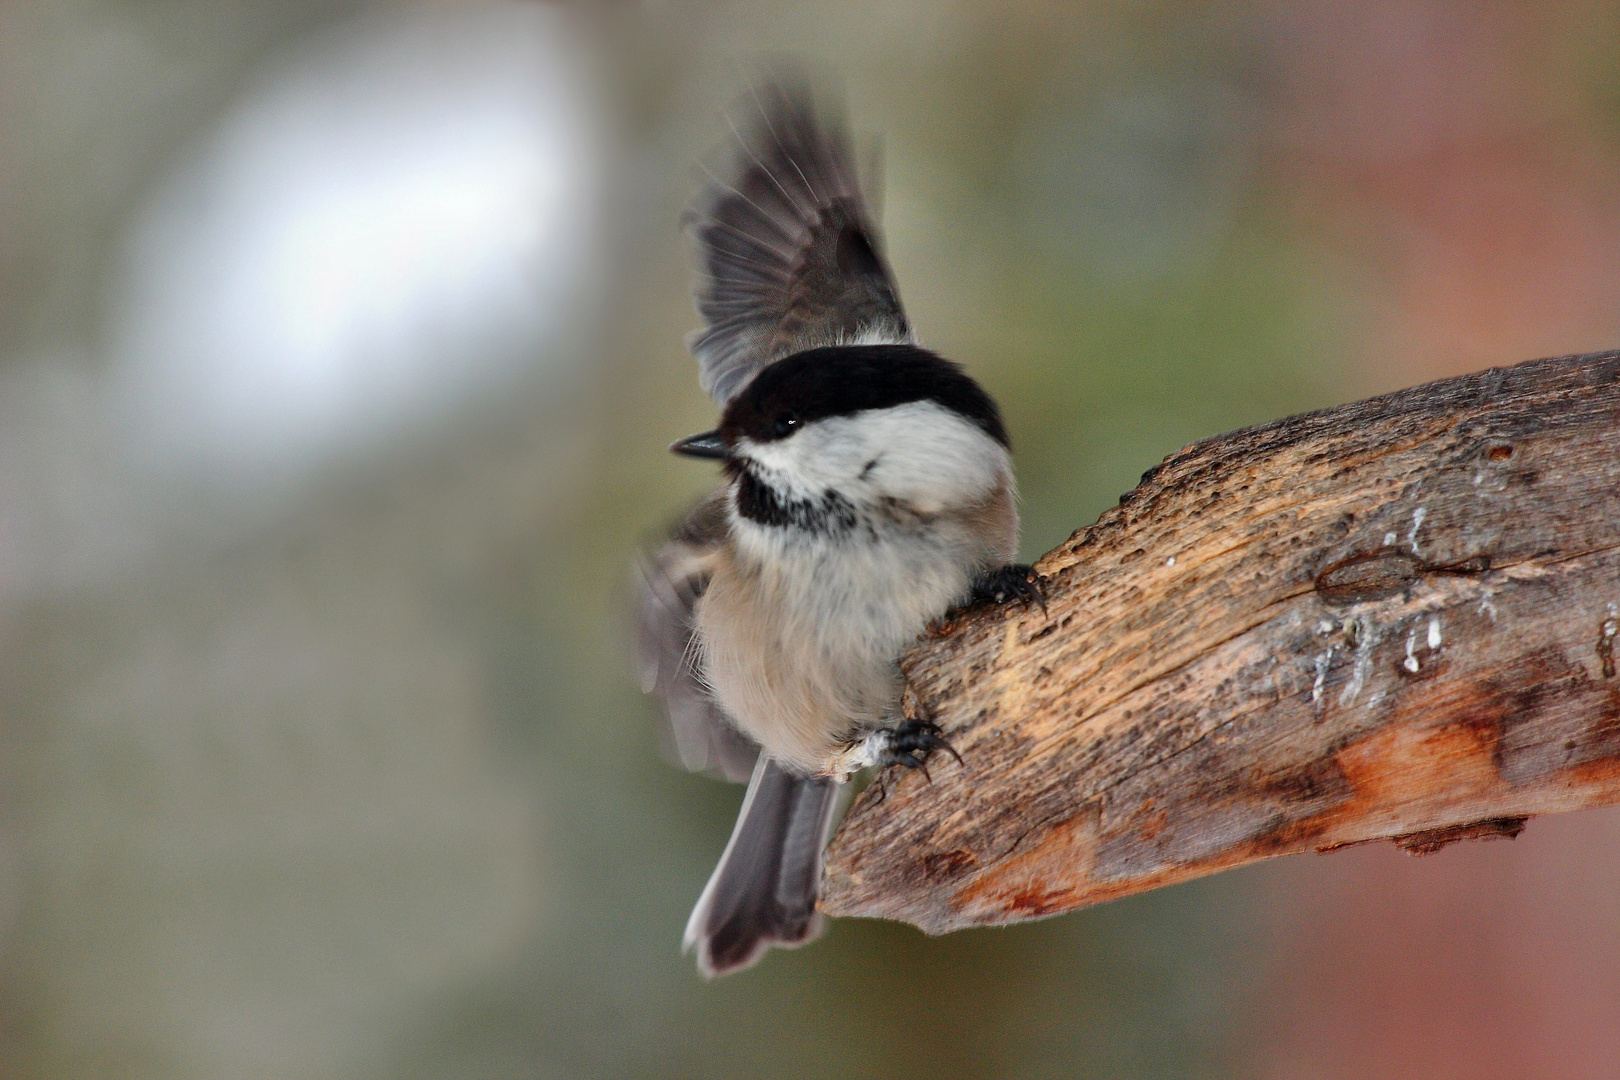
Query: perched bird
x=868 y=490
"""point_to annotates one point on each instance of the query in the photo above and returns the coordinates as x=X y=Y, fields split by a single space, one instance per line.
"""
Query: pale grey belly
x=801 y=649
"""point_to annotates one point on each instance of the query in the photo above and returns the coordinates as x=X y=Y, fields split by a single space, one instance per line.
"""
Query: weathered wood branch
x=1395 y=620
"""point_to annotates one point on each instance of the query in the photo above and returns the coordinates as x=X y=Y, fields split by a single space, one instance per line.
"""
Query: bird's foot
x=1016 y=582
x=909 y=745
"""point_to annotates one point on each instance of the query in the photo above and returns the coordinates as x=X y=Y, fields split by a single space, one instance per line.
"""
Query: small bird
x=868 y=491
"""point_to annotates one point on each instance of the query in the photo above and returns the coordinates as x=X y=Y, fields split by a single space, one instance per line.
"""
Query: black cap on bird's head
x=840 y=381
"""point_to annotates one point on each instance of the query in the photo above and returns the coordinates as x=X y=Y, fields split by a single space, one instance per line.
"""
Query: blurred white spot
x=393 y=221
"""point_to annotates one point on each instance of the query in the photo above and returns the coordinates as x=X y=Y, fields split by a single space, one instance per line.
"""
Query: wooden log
x=1395 y=619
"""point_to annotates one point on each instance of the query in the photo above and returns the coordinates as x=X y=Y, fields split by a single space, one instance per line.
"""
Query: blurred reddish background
x=1466 y=154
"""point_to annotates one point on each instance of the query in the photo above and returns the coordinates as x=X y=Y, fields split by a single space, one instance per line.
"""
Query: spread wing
x=698 y=735
x=790 y=258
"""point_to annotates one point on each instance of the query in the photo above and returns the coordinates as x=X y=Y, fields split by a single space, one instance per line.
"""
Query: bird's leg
x=911 y=742
x=1015 y=582
x=908 y=743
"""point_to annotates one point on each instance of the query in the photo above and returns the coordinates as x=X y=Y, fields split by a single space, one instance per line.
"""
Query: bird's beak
x=708 y=444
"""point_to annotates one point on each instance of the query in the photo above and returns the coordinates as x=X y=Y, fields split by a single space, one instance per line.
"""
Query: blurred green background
x=339 y=347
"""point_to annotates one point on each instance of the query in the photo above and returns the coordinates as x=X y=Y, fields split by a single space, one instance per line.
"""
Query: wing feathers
x=670 y=581
x=789 y=253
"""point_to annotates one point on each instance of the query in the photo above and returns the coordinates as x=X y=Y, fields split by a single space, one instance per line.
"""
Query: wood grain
x=1395 y=620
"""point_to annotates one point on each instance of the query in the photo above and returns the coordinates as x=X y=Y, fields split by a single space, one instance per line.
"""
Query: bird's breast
x=800 y=632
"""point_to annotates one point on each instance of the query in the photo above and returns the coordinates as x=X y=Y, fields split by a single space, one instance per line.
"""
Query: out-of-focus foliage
x=339 y=346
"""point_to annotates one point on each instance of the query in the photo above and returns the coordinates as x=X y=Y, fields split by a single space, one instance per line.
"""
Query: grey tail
x=764 y=891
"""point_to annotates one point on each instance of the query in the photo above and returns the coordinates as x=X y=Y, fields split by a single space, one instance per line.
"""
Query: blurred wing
x=699 y=735
x=789 y=254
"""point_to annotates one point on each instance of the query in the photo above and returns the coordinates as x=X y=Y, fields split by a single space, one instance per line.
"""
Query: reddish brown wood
x=1395 y=619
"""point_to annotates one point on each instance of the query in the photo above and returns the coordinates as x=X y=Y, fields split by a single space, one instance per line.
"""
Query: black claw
x=1016 y=582
x=912 y=761
x=937 y=743
x=910 y=745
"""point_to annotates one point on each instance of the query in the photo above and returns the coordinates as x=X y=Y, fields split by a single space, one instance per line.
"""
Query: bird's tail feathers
x=764 y=890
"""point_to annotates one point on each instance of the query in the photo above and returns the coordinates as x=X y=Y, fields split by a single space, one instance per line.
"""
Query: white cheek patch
x=920 y=453
x=823 y=454
x=929 y=457
x=781 y=464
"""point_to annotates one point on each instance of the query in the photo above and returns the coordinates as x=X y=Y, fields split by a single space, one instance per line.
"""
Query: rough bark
x=1394 y=620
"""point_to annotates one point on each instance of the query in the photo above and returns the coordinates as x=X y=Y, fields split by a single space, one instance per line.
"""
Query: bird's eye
x=786 y=424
